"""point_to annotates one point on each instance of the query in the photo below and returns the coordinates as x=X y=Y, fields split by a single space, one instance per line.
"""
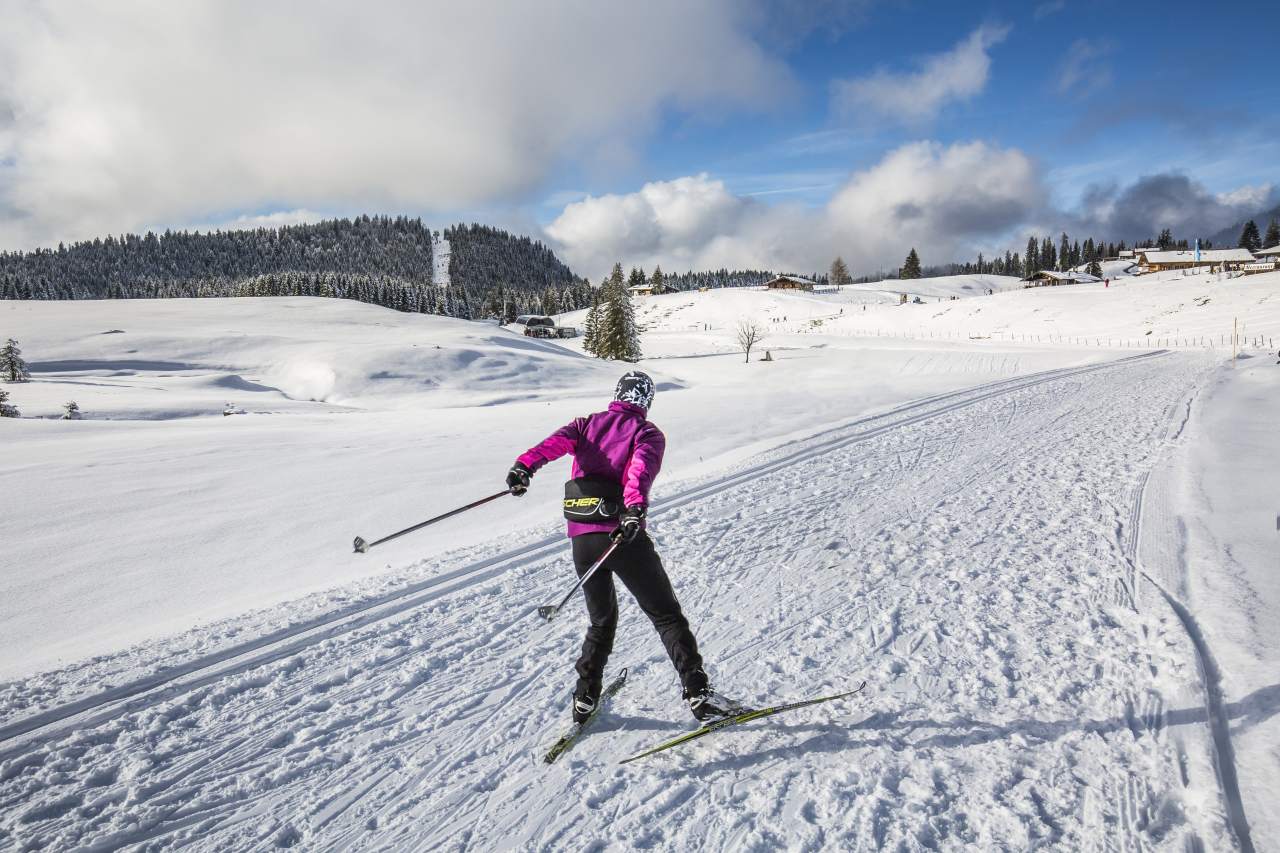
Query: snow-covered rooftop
x=1273 y=251
x=1207 y=256
x=1079 y=277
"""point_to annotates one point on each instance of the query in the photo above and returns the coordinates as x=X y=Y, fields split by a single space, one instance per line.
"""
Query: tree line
x=381 y=260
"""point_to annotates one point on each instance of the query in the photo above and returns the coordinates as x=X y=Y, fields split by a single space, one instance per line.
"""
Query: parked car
x=538 y=326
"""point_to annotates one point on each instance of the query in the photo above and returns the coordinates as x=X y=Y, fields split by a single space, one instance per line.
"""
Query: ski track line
x=271 y=647
x=1218 y=719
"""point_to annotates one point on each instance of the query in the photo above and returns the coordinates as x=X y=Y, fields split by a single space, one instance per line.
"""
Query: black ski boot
x=585 y=701
x=706 y=704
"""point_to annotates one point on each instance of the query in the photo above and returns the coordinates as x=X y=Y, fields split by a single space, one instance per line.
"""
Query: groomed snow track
x=198 y=672
x=967 y=554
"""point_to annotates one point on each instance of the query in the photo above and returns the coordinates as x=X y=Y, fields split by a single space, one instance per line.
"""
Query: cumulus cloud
x=956 y=75
x=122 y=115
x=945 y=200
x=1170 y=200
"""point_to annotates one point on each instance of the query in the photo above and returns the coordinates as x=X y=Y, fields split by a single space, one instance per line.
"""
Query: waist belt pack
x=592 y=499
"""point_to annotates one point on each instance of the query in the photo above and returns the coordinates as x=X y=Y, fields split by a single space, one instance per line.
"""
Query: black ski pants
x=638 y=567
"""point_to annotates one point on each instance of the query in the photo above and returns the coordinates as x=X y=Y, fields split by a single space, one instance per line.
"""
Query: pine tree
x=1272 y=238
x=656 y=280
x=71 y=411
x=1031 y=264
x=12 y=367
x=591 y=328
x=1249 y=237
x=616 y=334
x=1165 y=240
x=1064 y=253
x=1095 y=268
x=7 y=410
x=839 y=273
x=911 y=266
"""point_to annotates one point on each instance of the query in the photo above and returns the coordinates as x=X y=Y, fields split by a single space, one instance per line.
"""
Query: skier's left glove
x=518 y=479
x=628 y=525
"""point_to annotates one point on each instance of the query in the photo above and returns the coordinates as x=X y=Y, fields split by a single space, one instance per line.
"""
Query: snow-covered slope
x=969 y=560
x=1159 y=310
x=169 y=514
x=954 y=520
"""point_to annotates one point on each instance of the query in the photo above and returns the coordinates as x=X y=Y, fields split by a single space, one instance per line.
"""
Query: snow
x=1216 y=516
x=969 y=503
x=360 y=421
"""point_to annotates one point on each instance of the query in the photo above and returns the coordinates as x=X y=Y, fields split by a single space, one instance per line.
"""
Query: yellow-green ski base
x=744 y=717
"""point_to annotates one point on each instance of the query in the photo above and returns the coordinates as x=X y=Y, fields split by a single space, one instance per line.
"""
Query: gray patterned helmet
x=635 y=387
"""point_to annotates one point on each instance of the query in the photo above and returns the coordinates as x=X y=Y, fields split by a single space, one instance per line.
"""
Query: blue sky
x=741 y=133
x=1095 y=91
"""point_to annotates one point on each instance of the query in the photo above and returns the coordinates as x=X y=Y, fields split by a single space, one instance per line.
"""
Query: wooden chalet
x=1053 y=278
x=1157 y=260
x=789 y=282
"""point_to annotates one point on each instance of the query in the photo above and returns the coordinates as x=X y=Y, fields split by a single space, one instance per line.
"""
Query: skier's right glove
x=628 y=525
x=518 y=479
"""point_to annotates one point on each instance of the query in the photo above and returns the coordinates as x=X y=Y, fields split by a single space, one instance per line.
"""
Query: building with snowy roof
x=1157 y=260
x=789 y=282
x=1052 y=278
x=649 y=289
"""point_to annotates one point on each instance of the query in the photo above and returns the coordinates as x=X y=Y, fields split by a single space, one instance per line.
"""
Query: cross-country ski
x=891 y=388
x=739 y=718
x=579 y=728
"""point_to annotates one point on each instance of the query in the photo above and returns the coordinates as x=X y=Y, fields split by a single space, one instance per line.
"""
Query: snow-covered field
x=1165 y=310
x=976 y=527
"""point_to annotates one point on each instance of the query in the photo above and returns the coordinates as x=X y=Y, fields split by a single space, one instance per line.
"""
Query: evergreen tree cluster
x=12 y=366
x=1272 y=238
x=611 y=330
x=381 y=260
x=7 y=409
x=1250 y=238
x=716 y=278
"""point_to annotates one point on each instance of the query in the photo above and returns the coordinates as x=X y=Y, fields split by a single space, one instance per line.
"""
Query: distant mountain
x=379 y=259
x=1229 y=236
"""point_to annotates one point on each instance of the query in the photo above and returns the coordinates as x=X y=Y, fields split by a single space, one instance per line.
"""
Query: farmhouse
x=1155 y=260
x=649 y=289
x=1052 y=278
x=789 y=282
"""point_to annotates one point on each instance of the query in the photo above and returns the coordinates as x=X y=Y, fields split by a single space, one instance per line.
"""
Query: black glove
x=518 y=479
x=628 y=525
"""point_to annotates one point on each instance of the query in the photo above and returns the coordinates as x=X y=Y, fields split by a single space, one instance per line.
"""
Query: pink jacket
x=618 y=444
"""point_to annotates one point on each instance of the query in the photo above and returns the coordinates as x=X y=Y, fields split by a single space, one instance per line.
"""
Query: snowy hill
x=1164 y=309
x=987 y=531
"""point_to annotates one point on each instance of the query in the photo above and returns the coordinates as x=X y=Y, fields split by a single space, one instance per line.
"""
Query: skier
x=616 y=456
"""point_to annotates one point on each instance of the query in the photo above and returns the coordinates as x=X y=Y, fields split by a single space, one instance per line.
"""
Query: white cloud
x=955 y=75
x=945 y=200
x=122 y=115
x=1050 y=8
x=1084 y=69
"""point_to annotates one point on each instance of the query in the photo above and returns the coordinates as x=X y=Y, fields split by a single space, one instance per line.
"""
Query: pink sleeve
x=643 y=466
x=560 y=442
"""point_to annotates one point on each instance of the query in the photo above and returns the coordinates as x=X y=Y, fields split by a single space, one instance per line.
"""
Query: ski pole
x=363 y=546
x=549 y=611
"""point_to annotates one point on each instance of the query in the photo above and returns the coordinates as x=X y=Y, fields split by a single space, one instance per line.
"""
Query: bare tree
x=750 y=333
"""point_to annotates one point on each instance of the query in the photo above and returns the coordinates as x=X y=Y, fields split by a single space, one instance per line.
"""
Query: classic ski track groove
x=1217 y=718
x=271 y=647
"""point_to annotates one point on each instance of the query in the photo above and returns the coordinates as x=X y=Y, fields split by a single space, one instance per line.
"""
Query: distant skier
x=616 y=456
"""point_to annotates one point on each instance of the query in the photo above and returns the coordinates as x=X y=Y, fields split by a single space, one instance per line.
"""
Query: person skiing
x=616 y=456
